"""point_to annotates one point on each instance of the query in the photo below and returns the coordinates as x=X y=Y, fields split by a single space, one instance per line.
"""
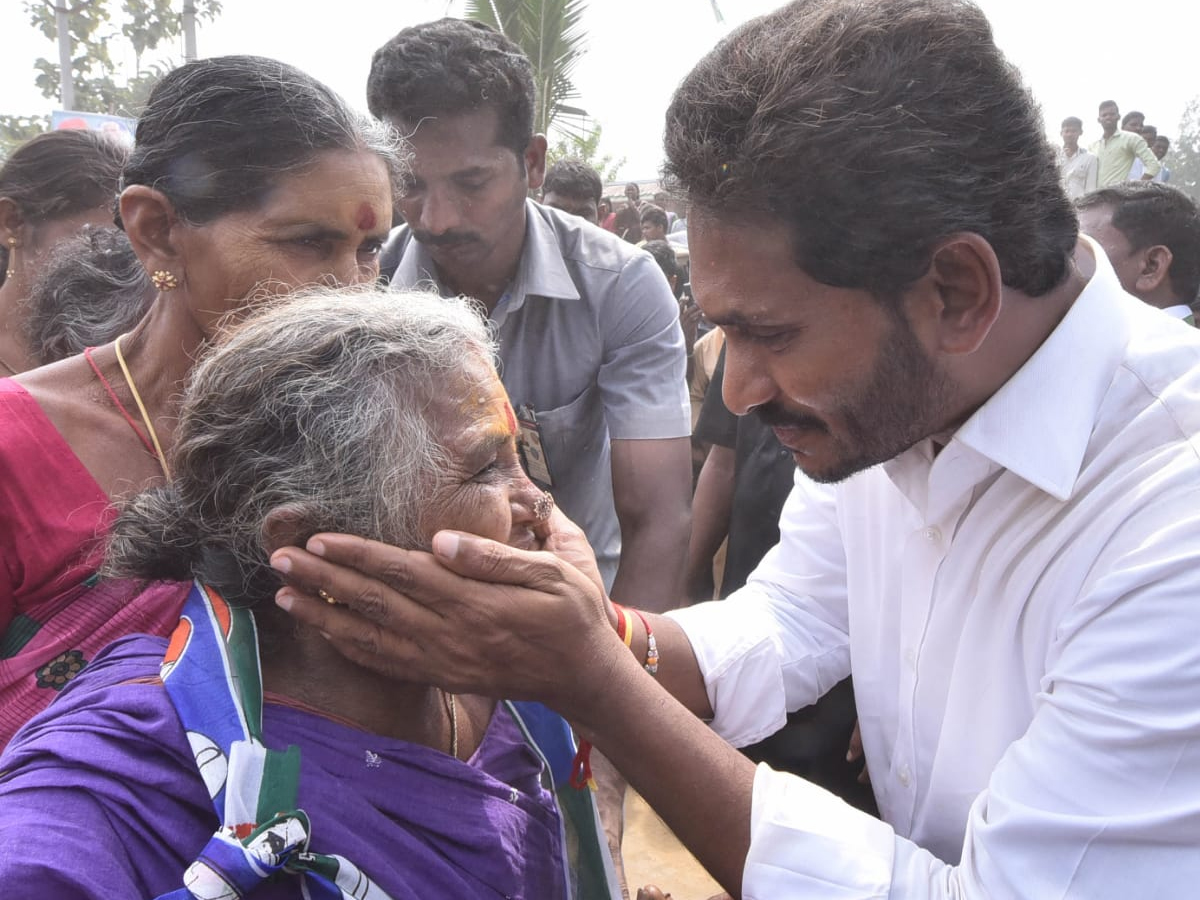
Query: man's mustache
x=776 y=416
x=446 y=239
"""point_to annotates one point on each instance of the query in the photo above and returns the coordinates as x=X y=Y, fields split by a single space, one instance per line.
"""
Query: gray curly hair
x=318 y=405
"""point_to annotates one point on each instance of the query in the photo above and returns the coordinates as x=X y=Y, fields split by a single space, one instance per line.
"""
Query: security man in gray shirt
x=591 y=350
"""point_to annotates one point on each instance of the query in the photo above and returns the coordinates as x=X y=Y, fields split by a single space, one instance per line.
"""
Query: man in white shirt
x=1149 y=134
x=1079 y=167
x=1161 y=145
x=1151 y=235
x=996 y=522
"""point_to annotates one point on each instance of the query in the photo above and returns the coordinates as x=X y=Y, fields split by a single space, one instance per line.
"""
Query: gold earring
x=164 y=280
x=12 y=252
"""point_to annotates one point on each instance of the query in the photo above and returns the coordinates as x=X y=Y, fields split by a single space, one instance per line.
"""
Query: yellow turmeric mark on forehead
x=489 y=401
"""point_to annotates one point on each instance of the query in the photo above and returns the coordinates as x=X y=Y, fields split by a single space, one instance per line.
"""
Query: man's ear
x=959 y=297
x=1156 y=266
x=535 y=161
x=149 y=220
x=289 y=525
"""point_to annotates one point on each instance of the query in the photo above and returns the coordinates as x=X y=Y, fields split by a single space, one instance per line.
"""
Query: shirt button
x=933 y=534
x=904 y=775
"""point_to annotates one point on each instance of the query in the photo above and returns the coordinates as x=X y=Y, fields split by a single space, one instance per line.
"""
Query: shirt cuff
x=650 y=424
x=805 y=842
x=741 y=668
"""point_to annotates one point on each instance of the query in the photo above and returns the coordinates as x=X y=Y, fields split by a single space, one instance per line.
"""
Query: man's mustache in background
x=446 y=239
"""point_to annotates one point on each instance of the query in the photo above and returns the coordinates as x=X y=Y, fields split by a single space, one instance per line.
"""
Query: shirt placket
x=947 y=496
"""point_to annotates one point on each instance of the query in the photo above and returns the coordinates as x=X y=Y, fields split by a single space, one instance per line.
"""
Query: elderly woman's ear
x=149 y=220
x=289 y=525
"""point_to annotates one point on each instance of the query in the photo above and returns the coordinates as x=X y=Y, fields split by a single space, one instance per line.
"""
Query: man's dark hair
x=1149 y=213
x=873 y=130
x=1073 y=122
x=655 y=215
x=1104 y=103
x=451 y=67
x=1162 y=137
x=1131 y=115
x=573 y=178
x=1153 y=133
x=217 y=134
x=664 y=255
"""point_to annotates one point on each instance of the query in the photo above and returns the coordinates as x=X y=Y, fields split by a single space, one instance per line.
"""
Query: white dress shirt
x=1079 y=172
x=1023 y=616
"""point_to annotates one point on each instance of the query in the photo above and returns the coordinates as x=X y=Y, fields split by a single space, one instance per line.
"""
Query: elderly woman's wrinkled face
x=324 y=224
x=483 y=489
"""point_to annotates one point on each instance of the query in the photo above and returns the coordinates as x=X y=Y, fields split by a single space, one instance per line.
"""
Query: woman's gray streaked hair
x=317 y=405
x=90 y=289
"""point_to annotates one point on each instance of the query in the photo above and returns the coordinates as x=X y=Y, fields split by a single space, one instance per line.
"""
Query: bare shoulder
x=76 y=403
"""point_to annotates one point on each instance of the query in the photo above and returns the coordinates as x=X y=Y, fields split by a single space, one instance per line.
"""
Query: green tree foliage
x=95 y=26
x=585 y=148
x=1184 y=157
x=550 y=33
x=16 y=130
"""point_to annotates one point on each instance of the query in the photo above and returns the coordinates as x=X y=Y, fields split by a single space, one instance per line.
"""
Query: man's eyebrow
x=742 y=322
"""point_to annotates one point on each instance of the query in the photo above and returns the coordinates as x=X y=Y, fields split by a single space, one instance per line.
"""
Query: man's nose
x=748 y=382
x=439 y=212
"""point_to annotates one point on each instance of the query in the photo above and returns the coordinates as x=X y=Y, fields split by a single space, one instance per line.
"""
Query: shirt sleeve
x=1091 y=173
x=781 y=641
x=1146 y=155
x=642 y=376
x=1098 y=800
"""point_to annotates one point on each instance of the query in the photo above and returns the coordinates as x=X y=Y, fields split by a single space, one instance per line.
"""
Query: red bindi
x=366 y=218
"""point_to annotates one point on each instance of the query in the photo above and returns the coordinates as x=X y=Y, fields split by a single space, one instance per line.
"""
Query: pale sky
x=1072 y=54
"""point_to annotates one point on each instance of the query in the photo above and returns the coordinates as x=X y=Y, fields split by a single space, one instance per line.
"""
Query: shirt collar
x=541 y=272
x=1038 y=424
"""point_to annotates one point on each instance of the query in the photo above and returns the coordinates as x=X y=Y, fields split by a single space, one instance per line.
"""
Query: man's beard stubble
x=904 y=400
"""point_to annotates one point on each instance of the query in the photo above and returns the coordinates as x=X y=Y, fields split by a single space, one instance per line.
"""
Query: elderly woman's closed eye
x=344 y=410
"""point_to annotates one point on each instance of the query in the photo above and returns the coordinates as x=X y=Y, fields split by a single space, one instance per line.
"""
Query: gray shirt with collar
x=589 y=337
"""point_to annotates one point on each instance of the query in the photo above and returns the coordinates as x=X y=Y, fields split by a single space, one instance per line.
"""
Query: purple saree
x=100 y=797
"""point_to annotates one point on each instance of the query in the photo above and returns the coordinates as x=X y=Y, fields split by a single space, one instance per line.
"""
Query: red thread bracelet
x=581 y=766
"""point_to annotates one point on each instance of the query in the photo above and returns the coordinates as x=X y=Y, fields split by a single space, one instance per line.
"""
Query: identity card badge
x=533 y=456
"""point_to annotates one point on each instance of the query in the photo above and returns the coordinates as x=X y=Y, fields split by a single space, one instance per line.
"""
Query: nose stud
x=543 y=506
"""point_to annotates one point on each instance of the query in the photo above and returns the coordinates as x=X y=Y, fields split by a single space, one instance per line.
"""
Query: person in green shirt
x=1116 y=150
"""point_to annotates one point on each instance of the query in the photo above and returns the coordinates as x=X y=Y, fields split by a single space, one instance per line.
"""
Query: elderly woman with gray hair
x=338 y=410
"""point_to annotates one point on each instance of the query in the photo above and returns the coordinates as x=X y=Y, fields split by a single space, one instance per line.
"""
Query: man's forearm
x=653 y=553
x=652 y=492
